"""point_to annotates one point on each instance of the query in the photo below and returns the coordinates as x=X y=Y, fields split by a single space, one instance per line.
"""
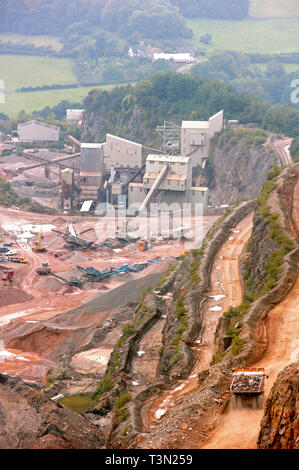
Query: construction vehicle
x=44 y=269
x=248 y=388
x=8 y=277
x=73 y=239
x=73 y=281
x=18 y=260
x=143 y=245
x=38 y=246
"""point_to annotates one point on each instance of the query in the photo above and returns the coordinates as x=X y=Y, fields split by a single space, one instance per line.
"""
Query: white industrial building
x=196 y=135
x=37 y=131
x=121 y=153
x=167 y=179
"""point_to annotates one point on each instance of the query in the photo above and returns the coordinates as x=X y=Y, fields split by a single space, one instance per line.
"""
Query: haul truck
x=248 y=386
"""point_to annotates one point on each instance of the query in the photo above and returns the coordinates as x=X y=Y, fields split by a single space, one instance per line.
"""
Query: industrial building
x=91 y=171
x=37 y=131
x=74 y=117
x=121 y=153
x=167 y=179
x=196 y=136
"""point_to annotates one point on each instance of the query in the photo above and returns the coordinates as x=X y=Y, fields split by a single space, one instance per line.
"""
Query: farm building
x=178 y=58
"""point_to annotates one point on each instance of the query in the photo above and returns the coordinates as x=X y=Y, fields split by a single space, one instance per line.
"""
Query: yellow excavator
x=38 y=246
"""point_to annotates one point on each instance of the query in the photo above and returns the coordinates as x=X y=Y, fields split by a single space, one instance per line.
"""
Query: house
x=74 y=117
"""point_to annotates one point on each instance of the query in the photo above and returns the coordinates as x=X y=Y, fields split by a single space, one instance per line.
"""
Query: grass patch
x=123 y=414
x=165 y=276
x=37 y=100
x=263 y=36
x=194 y=265
x=126 y=430
x=80 y=403
x=19 y=71
x=104 y=386
x=121 y=401
x=273 y=8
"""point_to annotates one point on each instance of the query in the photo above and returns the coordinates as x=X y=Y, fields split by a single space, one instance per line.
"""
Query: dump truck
x=247 y=388
x=44 y=269
x=38 y=246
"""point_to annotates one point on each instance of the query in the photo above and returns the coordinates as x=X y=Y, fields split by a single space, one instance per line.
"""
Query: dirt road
x=226 y=291
x=239 y=429
x=283 y=149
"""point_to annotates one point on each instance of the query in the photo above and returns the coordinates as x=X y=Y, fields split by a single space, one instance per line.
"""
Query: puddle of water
x=180 y=387
x=217 y=297
x=159 y=413
x=57 y=397
x=216 y=309
x=25 y=231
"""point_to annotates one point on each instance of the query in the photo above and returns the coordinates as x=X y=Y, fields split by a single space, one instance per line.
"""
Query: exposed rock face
x=28 y=420
x=280 y=424
x=240 y=168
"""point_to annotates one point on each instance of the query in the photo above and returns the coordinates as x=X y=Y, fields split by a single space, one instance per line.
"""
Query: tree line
x=135 y=111
x=154 y=19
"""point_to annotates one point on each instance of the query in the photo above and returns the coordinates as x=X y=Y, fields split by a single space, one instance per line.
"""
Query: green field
x=32 y=71
x=274 y=8
x=37 y=100
x=289 y=68
x=264 y=36
x=37 y=41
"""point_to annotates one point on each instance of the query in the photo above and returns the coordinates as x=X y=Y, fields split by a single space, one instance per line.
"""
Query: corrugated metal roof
x=195 y=124
x=91 y=146
x=39 y=123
